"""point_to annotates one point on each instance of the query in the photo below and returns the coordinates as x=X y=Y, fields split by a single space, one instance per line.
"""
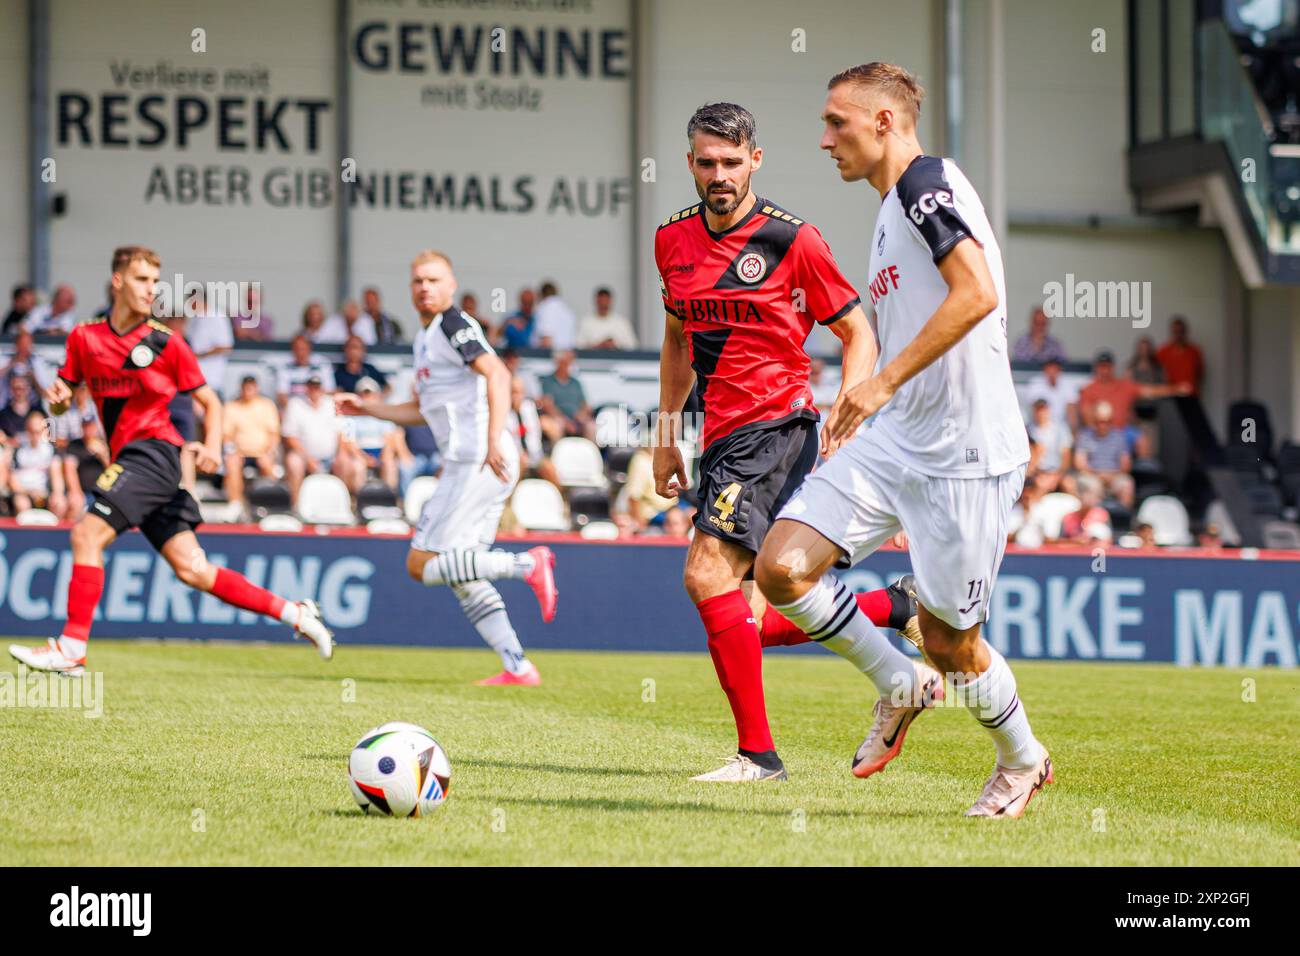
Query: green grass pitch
x=216 y=754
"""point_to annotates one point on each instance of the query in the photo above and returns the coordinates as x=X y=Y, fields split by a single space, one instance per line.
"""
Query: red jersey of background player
x=747 y=299
x=132 y=378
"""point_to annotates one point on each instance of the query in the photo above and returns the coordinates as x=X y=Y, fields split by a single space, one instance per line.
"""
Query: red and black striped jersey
x=132 y=377
x=747 y=299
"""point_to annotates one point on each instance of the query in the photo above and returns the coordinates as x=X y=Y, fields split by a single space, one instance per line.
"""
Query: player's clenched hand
x=204 y=460
x=669 y=464
x=852 y=408
x=345 y=403
x=497 y=461
x=57 y=396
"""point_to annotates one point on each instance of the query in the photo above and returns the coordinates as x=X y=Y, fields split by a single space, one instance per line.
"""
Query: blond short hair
x=123 y=256
x=430 y=255
x=894 y=82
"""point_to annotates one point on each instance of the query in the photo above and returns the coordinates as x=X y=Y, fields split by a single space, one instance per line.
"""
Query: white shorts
x=465 y=509
x=956 y=527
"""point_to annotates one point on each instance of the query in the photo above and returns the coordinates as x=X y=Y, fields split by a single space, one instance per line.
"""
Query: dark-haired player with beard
x=134 y=367
x=743 y=284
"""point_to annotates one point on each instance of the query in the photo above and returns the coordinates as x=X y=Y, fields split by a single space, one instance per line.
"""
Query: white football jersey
x=959 y=416
x=453 y=397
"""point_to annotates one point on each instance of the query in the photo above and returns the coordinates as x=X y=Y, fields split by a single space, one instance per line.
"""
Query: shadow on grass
x=660 y=806
x=560 y=768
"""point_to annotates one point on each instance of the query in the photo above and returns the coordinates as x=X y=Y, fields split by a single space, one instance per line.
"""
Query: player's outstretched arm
x=498 y=396
x=676 y=379
x=404 y=414
x=971 y=296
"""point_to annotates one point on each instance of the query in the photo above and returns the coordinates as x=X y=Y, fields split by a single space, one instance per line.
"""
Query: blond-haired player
x=463 y=393
x=943 y=460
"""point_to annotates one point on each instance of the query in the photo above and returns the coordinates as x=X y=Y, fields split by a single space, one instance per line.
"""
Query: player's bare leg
x=712 y=577
x=90 y=536
x=469 y=575
x=183 y=553
x=793 y=570
x=985 y=684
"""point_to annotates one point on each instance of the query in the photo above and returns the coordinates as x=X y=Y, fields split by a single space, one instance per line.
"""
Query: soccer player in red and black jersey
x=743 y=284
x=134 y=367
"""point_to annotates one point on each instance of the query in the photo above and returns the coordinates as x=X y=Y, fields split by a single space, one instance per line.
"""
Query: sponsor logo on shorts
x=103 y=508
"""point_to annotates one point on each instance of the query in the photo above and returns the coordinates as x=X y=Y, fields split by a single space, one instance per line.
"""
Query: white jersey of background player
x=944 y=460
x=463 y=393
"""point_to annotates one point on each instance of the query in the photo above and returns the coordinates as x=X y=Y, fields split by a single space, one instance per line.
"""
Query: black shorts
x=748 y=476
x=141 y=489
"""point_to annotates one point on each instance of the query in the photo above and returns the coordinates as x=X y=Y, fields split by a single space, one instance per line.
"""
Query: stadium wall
x=14 y=169
x=1193 y=610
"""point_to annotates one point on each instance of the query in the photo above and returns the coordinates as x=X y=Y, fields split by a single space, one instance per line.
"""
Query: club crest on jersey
x=751 y=267
x=142 y=356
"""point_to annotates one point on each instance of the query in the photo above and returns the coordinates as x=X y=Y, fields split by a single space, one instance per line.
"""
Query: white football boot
x=740 y=769
x=312 y=627
x=1008 y=792
x=48 y=658
x=885 y=739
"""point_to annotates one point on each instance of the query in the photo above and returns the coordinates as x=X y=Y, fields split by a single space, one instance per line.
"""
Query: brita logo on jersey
x=928 y=203
x=886 y=279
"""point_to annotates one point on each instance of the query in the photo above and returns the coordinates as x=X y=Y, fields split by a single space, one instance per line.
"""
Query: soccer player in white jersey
x=944 y=458
x=463 y=392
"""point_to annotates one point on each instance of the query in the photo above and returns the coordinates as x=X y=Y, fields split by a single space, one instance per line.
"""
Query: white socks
x=992 y=698
x=460 y=567
x=482 y=604
x=829 y=614
x=73 y=648
x=289 y=613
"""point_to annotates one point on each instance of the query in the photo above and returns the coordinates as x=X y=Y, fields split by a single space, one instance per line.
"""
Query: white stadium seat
x=1168 y=520
x=1217 y=514
x=1280 y=535
x=418 y=492
x=539 y=506
x=388 y=526
x=280 y=522
x=324 y=499
x=37 y=517
x=1049 y=511
x=578 y=463
x=600 y=531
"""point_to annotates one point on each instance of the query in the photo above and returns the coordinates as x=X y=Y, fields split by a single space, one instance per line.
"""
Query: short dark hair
x=20 y=289
x=727 y=121
x=549 y=288
x=604 y=290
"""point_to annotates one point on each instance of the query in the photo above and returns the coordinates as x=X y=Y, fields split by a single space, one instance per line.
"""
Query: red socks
x=233 y=588
x=738 y=658
x=779 y=632
x=84 y=590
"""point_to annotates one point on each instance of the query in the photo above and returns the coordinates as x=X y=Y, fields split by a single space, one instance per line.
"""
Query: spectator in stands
x=56 y=318
x=251 y=436
x=1181 y=359
x=604 y=328
x=25 y=363
x=1102 y=451
x=354 y=368
x=387 y=329
x=212 y=338
x=1049 y=448
x=79 y=442
x=1091 y=523
x=532 y=387
x=1120 y=394
x=253 y=324
x=1036 y=345
x=1146 y=534
x=638 y=495
x=22 y=303
x=526 y=423
x=469 y=305
x=313 y=320
x=22 y=402
x=313 y=441
x=679 y=522
x=557 y=325
x=1062 y=398
x=291 y=379
x=376 y=440
x=346 y=323
x=516 y=332
x=1144 y=368
x=36 y=475
x=564 y=408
